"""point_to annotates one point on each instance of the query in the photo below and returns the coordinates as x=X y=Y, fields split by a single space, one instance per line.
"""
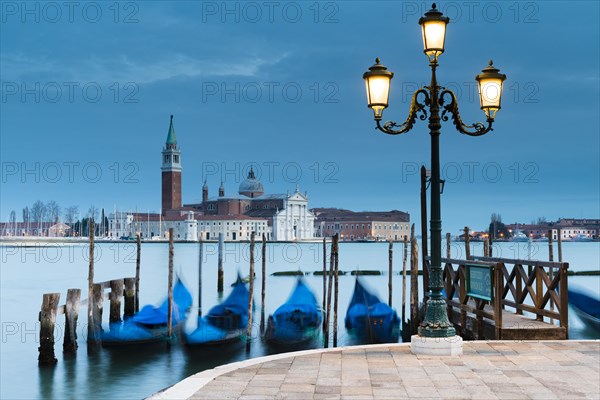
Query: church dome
x=251 y=187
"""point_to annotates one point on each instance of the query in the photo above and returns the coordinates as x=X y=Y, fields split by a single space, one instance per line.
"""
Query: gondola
x=149 y=325
x=226 y=322
x=586 y=307
x=369 y=319
x=296 y=321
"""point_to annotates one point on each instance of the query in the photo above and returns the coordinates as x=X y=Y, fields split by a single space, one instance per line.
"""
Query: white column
x=287 y=220
x=305 y=222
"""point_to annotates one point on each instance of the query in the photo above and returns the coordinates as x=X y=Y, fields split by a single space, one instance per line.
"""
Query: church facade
x=280 y=217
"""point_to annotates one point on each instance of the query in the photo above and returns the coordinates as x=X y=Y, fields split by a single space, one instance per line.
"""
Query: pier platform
x=486 y=370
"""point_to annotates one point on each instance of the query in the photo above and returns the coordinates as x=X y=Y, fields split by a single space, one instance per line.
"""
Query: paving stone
x=486 y=370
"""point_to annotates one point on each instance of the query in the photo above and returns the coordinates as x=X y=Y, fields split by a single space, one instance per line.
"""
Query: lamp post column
x=436 y=323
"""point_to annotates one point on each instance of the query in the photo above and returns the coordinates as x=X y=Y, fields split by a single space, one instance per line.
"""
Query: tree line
x=51 y=212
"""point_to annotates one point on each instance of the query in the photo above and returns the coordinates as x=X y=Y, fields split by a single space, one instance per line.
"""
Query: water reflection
x=46 y=381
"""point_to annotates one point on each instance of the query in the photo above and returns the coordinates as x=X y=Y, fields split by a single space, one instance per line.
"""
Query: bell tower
x=171 y=172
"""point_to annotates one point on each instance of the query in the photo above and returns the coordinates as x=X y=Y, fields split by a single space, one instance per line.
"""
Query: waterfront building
x=364 y=225
x=152 y=225
x=570 y=229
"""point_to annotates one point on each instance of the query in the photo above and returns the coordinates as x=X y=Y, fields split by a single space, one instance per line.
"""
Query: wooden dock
x=528 y=301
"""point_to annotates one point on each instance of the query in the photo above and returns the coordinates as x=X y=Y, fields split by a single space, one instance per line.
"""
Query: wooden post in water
x=170 y=287
x=551 y=270
x=564 y=297
x=251 y=290
x=329 y=288
x=116 y=292
x=448 y=244
x=71 y=315
x=138 y=260
x=200 y=255
x=335 y=304
x=47 y=321
x=390 y=263
x=424 y=242
x=404 y=280
x=486 y=247
x=324 y=276
x=550 y=246
x=129 y=307
x=91 y=323
x=97 y=301
x=414 y=283
x=490 y=246
x=220 y=263
x=559 y=239
x=467 y=243
x=263 y=283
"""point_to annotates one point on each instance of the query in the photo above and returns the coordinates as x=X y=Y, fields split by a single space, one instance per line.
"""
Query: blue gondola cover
x=370 y=319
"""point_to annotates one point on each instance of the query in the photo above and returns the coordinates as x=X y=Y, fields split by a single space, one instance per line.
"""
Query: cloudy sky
x=87 y=89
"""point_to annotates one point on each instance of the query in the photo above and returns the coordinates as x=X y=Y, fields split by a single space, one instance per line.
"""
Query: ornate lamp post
x=434 y=98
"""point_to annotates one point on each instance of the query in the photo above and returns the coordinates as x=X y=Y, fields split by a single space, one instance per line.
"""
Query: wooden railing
x=536 y=287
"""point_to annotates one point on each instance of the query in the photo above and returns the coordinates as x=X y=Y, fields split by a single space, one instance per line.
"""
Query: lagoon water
x=28 y=272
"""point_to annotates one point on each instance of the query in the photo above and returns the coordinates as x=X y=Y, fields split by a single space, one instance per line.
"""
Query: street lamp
x=434 y=98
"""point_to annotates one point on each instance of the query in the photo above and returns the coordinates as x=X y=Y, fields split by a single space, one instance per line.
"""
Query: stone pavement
x=486 y=370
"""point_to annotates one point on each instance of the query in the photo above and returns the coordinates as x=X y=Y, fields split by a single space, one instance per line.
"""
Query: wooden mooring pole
x=200 y=255
x=47 y=320
x=559 y=240
x=71 y=315
x=220 y=263
x=486 y=248
x=129 y=307
x=138 y=260
x=414 y=283
x=336 y=290
x=550 y=246
x=97 y=300
x=467 y=243
x=324 y=277
x=263 y=283
x=329 y=289
x=251 y=290
x=170 y=287
x=116 y=292
x=390 y=263
x=91 y=323
x=448 y=244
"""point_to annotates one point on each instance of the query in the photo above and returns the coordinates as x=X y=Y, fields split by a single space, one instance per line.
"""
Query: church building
x=281 y=217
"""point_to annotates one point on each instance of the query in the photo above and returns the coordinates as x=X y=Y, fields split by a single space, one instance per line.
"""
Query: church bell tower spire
x=171 y=172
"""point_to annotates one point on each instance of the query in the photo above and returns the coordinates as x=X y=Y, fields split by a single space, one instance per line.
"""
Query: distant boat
x=150 y=323
x=519 y=237
x=580 y=237
x=225 y=322
x=370 y=319
x=298 y=320
x=586 y=307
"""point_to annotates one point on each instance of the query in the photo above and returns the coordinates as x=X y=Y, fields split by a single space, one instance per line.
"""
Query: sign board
x=480 y=281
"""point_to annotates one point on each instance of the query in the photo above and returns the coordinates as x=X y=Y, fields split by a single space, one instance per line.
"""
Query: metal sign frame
x=478 y=295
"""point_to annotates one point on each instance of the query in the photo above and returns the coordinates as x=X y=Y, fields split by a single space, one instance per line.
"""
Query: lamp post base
x=447 y=346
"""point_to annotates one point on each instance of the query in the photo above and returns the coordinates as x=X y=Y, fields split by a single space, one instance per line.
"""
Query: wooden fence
x=536 y=291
